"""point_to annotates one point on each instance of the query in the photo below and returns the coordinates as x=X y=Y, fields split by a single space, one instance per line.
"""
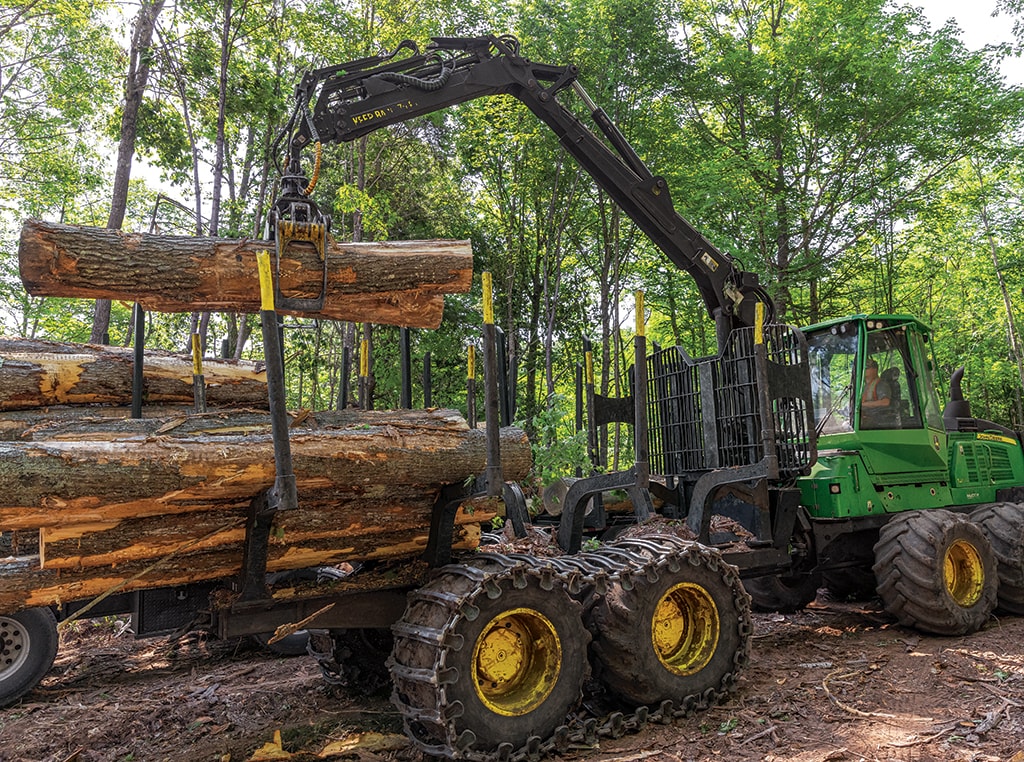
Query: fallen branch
x=768 y=731
x=844 y=707
x=285 y=630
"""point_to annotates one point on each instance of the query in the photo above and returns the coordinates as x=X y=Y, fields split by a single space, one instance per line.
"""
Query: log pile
x=36 y=374
x=112 y=497
x=162 y=501
x=396 y=283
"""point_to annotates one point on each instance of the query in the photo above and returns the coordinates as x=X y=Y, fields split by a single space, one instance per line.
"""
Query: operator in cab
x=875 y=398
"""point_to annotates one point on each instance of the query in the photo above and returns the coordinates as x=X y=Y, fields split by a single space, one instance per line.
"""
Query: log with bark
x=111 y=496
x=398 y=283
x=24 y=584
x=99 y=477
x=36 y=373
x=16 y=425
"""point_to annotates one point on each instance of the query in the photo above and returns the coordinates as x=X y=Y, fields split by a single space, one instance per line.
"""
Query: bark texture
x=36 y=374
x=398 y=283
x=111 y=497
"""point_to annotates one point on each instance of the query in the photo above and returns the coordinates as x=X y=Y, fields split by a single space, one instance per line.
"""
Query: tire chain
x=436 y=607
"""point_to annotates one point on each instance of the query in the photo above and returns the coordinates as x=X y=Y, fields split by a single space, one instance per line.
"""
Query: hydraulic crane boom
x=343 y=102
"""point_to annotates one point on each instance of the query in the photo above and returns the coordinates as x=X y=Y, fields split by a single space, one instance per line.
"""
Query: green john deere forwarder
x=824 y=450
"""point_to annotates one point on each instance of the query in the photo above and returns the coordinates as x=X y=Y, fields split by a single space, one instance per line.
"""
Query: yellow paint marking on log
x=59 y=374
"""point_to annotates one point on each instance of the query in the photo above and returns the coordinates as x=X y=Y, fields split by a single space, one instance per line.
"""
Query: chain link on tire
x=429 y=637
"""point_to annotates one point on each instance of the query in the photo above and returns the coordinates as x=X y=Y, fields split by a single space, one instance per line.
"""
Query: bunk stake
x=405 y=365
x=491 y=412
x=428 y=382
x=346 y=373
x=198 y=380
x=640 y=434
x=139 y=318
x=471 y=387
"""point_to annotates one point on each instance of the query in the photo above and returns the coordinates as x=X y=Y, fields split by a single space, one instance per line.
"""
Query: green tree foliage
x=57 y=64
x=844 y=151
x=824 y=123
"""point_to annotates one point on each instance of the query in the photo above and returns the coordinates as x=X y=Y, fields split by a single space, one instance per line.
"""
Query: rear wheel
x=852 y=583
x=487 y=656
x=354 y=659
x=28 y=646
x=1003 y=525
x=936 y=571
x=786 y=593
x=675 y=626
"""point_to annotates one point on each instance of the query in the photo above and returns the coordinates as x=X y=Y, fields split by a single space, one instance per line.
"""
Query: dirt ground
x=838 y=681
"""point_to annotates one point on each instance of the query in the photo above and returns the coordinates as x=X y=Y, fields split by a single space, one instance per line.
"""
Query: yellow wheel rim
x=685 y=629
x=964 y=573
x=516 y=662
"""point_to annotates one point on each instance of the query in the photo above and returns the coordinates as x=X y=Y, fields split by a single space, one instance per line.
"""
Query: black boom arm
x=341 y=103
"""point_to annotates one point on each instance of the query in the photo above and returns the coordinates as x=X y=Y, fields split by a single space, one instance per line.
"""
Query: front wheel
x=675 y=626
x=28 y=646
x=936 y=572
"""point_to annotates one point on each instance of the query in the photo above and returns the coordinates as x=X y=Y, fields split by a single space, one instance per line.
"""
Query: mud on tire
x=936 y=571
x=1003 y=525
x=28 y=646
x=677 y=628
x=488 y=655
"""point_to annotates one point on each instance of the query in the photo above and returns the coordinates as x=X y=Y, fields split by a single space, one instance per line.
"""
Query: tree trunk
x=110 y=470
x=113 y=498
x=134 y=88
x=38 y=373
x=399 y=283
x=23 y=583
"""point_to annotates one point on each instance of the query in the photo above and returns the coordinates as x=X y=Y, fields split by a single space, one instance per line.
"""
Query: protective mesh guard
x=746 y=405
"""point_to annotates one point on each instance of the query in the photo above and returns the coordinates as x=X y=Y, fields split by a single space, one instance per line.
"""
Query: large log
x=37 y=373
x=344 y=526
x=23 y=583
x=100 y=478
x=21 y=424
x=398 y=283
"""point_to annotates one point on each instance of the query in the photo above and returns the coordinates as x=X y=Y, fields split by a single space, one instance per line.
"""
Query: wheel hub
x=685 y=629
x=14 y=646
x=517 y=660
x=964 y=573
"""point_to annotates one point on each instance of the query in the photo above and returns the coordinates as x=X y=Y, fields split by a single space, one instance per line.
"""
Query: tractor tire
x=676 y=627
x=936 y=571
x=28 y=646
x=783 y=593
x=355 y=660
x=488 y=656
x=854 y=583
x=1003 y=525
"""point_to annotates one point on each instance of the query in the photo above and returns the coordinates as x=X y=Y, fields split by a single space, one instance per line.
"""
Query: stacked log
x=396 y=283
x=111 y=497
x=35 y=373
x=162 y=501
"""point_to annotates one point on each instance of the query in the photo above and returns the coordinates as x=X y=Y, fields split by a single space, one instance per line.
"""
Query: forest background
x=855 y=156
